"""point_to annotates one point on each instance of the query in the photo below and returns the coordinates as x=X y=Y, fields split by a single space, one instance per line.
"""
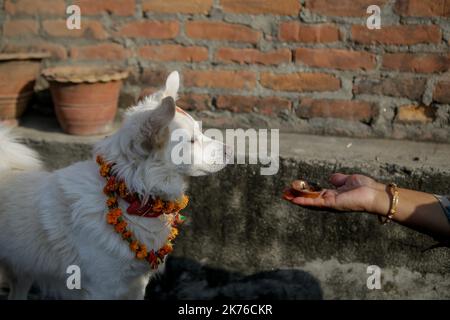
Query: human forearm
x=417 y=210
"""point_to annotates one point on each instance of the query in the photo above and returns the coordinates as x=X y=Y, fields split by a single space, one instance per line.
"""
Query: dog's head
x=159 y=144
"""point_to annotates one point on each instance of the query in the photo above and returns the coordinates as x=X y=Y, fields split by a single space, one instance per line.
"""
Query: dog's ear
x=172 y=85
x=155 y=129
x=162 y=115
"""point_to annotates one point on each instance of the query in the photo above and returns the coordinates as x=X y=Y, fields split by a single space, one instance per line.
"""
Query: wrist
x=380 y=200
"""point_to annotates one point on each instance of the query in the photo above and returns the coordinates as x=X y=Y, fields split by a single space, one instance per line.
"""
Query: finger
x=287 y=195
x=338 y=179
x=311 y=202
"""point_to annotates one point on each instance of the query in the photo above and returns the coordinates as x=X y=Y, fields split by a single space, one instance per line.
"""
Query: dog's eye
x=192 y=140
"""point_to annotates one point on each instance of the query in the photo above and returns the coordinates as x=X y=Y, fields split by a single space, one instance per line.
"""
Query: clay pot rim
x=84 y=73
x=10 y=56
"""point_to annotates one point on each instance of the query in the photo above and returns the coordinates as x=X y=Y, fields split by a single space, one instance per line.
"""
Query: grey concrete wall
x=242 y=241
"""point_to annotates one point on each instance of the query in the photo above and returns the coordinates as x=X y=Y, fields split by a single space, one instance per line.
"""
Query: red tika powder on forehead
x=181 y=111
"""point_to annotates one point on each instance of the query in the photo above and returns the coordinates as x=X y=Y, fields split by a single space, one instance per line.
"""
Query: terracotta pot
x=85 y=97
x=18 y=73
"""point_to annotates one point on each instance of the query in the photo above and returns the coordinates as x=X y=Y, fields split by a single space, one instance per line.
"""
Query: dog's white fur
x=51 y=220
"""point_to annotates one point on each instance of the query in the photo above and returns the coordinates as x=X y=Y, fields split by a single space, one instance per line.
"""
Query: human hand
x=353 y=193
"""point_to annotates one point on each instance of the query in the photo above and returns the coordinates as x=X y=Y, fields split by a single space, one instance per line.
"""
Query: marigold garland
x=157 y=206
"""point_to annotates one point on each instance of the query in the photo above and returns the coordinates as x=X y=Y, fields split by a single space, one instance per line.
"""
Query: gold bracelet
x=393 y=209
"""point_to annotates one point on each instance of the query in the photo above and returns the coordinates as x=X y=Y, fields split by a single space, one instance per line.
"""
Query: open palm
x=353 y=193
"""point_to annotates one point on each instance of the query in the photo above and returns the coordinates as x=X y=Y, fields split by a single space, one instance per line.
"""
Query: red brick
x=397 y=35
x=244 y=104
x=316 y=33
x=219 y=79
x=195 y=102
x=178 y=6
x=116 y=7
x=22 y=27
x=103 y=51
x=284 y=7
x=415 y=114
x=335 y=59
x=173 y=52
x=89 y=29
x=442 y=92
x=33 y=7
x=423 y=8
x=253 y=56
x=341 y=109
x=342 y=8
x=150 y=29
x=154 y=78
x=422 y=63
x=398 y=86
x=56 y=50
x=215 y=30
x=300 y=81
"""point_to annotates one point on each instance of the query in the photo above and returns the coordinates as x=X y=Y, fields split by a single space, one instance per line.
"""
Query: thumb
x=338 y=179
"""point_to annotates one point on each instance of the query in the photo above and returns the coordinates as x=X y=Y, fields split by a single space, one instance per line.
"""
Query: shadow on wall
x=186 y=279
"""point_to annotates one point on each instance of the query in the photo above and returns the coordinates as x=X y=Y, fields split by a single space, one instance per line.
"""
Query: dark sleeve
x=445 y=203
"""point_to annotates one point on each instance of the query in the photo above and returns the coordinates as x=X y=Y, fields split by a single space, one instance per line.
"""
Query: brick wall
x=299 y=65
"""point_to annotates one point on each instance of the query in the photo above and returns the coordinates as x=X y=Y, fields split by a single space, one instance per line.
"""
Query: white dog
x=52 y=220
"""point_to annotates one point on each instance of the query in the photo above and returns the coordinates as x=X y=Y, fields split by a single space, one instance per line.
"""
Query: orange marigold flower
x=157 y=205
x=111 y=185
x=122 y=189
x=105 y=169
x=142 y=252
x=117 y=212
x=127 y=234
x=169 y=207
x=182 y=203
x=120 y=227
x=173 y=233
x=134 y=245
x=111 y=219
x=99 y=160
x=112 y=201
x=166 y=249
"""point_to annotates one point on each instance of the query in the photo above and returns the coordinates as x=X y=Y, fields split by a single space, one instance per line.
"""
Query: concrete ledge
x=378 y=154
x=241 y=240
